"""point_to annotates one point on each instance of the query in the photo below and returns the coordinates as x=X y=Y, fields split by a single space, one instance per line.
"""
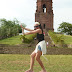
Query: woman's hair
x=41 y=28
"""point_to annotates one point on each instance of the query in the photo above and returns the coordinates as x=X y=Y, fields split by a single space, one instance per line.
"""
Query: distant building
x=44 y=14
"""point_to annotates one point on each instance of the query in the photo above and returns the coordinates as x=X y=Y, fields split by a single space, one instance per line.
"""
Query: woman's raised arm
x=26 y=28
x=32 y=32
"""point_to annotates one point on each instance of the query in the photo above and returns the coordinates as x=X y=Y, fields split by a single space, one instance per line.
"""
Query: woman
x=40 y=47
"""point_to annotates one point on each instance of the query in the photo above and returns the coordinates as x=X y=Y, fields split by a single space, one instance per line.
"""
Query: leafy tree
x=65 y=28
x=9 y=28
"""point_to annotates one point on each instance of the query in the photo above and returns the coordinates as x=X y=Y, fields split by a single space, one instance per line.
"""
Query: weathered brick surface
x=44 y=18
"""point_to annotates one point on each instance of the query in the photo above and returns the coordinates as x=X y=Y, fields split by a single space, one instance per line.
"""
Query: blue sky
x=24 y=11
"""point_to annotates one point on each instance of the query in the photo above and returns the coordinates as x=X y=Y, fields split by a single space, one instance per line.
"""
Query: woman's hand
x=23 y=33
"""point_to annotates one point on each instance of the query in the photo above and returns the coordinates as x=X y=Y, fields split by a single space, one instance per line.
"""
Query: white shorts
x=41 y=45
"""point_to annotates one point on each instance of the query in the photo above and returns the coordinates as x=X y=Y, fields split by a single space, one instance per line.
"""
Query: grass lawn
x=20 y=63
x=67 y=38
x=14 y=40
x=58 y=37
x=11 y=41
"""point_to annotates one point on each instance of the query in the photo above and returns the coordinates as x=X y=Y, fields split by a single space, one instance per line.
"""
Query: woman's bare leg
x=32 y=62
x=38 y=55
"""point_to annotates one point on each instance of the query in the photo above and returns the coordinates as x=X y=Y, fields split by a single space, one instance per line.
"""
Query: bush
x=27 y=38
x=57 y=39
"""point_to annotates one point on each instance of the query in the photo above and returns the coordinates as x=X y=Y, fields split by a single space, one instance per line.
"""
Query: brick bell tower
x=44 y=14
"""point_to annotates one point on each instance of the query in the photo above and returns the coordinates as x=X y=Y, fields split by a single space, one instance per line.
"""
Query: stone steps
x=47 y=38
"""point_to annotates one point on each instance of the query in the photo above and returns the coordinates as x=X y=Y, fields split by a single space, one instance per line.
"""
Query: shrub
x=55 y=38
x=27 y=38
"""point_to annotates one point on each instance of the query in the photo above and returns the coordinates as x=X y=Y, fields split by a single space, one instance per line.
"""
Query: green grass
x=59 y=38
x=11 y=41
x=20 y=63
x=14 y=40
x=67 y=38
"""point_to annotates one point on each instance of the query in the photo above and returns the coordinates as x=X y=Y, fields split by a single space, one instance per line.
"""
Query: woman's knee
x=37 y=58
x=38 y=55
x=32 y=55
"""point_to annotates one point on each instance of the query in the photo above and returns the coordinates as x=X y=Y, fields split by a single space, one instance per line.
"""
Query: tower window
x=44 y=26
x=44 y=8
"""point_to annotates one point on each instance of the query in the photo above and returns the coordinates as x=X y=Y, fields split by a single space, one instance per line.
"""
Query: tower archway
x=44 y=8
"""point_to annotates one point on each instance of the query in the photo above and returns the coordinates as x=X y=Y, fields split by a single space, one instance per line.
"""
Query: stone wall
x=28 y=49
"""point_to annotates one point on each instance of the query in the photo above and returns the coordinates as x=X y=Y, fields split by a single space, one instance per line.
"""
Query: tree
x=9 y=28
x=65 y=28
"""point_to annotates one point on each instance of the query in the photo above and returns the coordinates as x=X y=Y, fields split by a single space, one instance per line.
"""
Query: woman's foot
x=43 y=71
x=29 y=70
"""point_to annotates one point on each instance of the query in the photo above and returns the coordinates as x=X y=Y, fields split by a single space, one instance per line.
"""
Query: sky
x=24 y=11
